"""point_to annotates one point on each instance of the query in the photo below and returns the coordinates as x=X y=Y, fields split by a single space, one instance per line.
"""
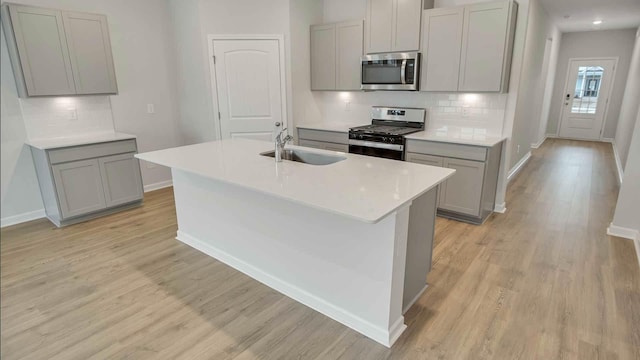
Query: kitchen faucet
x=280 y=142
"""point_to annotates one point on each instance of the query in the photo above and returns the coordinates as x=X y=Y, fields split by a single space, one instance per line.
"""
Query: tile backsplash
x=53 y=117
x=484 y=112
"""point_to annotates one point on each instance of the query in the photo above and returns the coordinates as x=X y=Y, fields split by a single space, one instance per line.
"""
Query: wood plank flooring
x=541 y=281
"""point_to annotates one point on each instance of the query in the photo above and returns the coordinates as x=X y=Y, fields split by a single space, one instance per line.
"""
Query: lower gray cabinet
x=469 y=194
x=462 y=191
x=78 y=185
x=83 y=182
x=121 y=179
x=324 y=145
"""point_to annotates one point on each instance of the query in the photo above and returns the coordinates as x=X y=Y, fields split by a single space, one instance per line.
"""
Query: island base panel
x=349 y=270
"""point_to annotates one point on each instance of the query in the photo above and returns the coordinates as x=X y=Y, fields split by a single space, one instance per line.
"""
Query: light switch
x=73 y=114
x=151 y=109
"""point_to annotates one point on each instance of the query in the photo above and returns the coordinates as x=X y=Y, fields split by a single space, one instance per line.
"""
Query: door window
x=587 y=90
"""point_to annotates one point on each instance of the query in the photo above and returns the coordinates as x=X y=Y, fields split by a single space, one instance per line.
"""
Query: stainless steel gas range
x=385 y=136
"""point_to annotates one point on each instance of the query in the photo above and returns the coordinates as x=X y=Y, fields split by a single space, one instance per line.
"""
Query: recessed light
x=597 y=22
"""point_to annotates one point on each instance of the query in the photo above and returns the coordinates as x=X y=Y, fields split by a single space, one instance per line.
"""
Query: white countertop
x=449 y=134
x=330 y=126
x=84 y=139
x=360 y=187
x=458 y=135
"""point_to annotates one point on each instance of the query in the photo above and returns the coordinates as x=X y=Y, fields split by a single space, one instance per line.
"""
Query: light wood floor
x=542 y=281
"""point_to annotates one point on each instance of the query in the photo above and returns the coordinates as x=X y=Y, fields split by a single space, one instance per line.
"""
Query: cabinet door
x=379 y=25
x=349 y=38
x=90 y=50
x=462 y=191
x=441 y=46
x=484 y=44
x=79 y=187
x=427 y=160
x=324 y=145
x=406 y=25
x=323 y=57
x=121 y=179
x=42 y=49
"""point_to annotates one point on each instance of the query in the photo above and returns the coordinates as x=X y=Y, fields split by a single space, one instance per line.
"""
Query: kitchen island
x=351 y=239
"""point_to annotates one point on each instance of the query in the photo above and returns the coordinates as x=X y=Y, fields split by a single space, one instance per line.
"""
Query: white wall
x=143 y=59
x=549 y=73
x=192 y=21
x=607 y=43
x=20 y=194
x=630 y=105
x=303 y=13
x=530 y=91
x=626 y=219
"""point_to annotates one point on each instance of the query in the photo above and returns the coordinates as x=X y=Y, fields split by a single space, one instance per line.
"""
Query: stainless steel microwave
x=391 y=71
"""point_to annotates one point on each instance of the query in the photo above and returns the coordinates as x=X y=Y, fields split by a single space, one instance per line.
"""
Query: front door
x=250 y=87
x=585 y=98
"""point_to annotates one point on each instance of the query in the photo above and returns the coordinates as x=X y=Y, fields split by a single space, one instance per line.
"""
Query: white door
x=585 y=98
x=250 y=87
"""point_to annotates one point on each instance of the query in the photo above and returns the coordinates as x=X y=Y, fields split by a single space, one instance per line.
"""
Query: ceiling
x=615 y=14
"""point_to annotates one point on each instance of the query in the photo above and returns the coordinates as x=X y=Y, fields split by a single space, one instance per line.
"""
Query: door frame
x=284 y=88
x=609 y=92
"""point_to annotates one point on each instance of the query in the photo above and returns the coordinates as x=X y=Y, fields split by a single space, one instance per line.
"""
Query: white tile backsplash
x=483 y=112
x=54 y=117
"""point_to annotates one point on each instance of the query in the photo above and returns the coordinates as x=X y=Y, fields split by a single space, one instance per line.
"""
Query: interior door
x=586 y=97
x=250 y=87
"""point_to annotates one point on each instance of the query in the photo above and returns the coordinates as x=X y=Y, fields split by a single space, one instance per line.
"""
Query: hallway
x=542 y=281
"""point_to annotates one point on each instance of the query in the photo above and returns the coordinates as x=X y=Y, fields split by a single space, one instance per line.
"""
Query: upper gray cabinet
x=468 y=49
x=392 y=25
x=56 y=52
x=90 y=50
x=336 y=49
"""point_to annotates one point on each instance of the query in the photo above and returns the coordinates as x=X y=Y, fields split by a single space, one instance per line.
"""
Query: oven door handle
x=377 y=145
x=403 y=72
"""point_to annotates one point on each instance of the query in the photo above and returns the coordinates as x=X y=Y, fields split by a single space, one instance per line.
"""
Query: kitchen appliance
x=391 y=71
x=385 y=136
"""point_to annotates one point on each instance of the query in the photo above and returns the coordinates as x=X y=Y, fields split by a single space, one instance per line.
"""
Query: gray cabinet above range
x=55 y=52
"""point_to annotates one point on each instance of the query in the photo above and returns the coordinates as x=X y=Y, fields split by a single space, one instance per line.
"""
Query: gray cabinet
x=38 y=49
x=487 y=42
x=90 y=50
x=335 y=55
x=468 y=48
x=83 y=182
x=322 y=139
x=441 y=47
x=469 y=194
x=120 y=179
x=462 y=192
x=78 y=185
x=55 y=52
x=392 y=25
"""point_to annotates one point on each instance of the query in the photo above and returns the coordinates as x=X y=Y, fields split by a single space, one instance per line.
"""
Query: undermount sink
x=305 y=157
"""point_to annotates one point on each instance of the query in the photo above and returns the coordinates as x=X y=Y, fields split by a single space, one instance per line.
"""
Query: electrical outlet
x=347 y=105
x=151 y=109
x=465 y=111
x=73 y=114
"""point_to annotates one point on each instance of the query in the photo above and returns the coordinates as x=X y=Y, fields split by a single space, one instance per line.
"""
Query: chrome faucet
x=280 y=142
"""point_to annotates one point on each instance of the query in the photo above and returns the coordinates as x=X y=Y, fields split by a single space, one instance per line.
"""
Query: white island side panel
x=347 y=269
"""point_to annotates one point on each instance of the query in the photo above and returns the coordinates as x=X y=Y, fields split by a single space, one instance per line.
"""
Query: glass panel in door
x=585 y=98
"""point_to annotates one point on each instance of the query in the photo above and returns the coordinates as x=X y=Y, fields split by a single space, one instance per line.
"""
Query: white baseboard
x=539 y=143
x=415 y=298
x=20 y=218
x=516 y=169
x=158 y=185
x=627 y=233
x=383 y=336
x=616 y=156
x=500 y=208
x=609 y=140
